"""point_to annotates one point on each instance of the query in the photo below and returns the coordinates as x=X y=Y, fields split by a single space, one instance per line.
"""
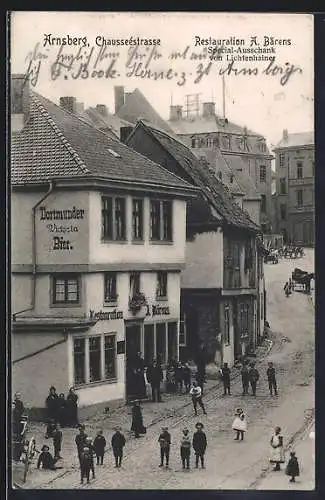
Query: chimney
x=208 y=109
x=119 y=97
x=175 y=113
x=80 y=108
x=124 y=133
x=69 y=104
x=20 y=102
x=285 y=135
x=102 y=109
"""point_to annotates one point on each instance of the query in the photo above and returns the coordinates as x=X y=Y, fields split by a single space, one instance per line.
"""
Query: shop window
x=282 y=159
x=66 y=289
x=299 y=170
x=161 y=342
x=262 y=173
x=300 y=200
x=94 y=359
x=137 y=220
x=283 y=187
x=172 y=340
x=110 y=294
x=161 y=215
x=79 y=361
x=149 y=344
x=182 y=331
x=113 y=219
x=162 y=284
x=109 y=356
x=226 y=324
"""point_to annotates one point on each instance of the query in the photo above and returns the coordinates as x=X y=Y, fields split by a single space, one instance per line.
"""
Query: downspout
x=51 y=188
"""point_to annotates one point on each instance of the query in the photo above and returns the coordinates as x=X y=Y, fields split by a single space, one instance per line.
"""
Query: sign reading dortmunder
x=55 y=215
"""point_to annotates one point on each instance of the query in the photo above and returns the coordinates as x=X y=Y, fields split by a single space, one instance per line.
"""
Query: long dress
x=277 y=452
x=240 y=423
x=72 y=409
x=137 y=420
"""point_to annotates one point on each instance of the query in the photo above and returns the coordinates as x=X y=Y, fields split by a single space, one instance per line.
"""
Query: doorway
x=133 y=346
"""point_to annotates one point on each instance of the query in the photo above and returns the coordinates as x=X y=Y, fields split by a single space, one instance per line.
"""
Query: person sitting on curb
x=46 y=460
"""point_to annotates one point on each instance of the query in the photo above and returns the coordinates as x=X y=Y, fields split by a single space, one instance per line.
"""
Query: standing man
x=245 y=378
x=118 y=443
x=57 y=441
x=199 y=445
x=17 y=413
x=253 y=377
x=196 y=394
x=164 y=441
x=81 y=441
x=270 y=372
x=225 y=371
x=140 y=383
x=155 y=377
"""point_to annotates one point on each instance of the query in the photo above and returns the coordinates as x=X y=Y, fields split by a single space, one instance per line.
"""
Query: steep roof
x=137 y=106
x=246 y=183
x=57 y=144
x=109 y=123
x=214 y=192
x=296 y=140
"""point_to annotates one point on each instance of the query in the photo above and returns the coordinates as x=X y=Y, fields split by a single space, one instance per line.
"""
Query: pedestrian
x=118 y=443
x=165 y=442
x=245 y=378
x=225 y=372
x=292 y=468
x=137 y=420
x=187 y=374
x=57 y=441
x=155 y=377
x=72 y=408
x=139 y=380
x=179 y=376
x=185 y=449
x=99 y=447
x=17 y=413
x=81 y=441
x=277 y=453
x=199 y=445
x=170 y=379
x=291 y=285
x=253 y=377
x=270 y=372
x=50 y=429
x=85 y=464
x=46 y=460
x=286 y=289
x=90 y=446
x=239 y=424
x=52 y=404
x=62 y=410
x=196 y=394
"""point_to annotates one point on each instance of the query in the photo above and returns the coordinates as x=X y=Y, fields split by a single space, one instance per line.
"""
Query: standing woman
x=52 y=404
x=239 y=425
x=137 y=420
x=277 y=452
x=72 y=408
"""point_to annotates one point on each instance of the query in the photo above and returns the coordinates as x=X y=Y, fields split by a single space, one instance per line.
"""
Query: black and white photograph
x=162 y=239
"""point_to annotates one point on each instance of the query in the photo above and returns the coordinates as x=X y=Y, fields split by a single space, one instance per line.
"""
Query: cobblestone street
x=230 y=464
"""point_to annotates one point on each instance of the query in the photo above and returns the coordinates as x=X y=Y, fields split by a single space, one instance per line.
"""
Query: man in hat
x=199 y=445
x=46 y=460
x=81 y=440
x=253 y=377
x=225 y=371
x=270 y=373
x=118 y=443
x=196 y=395
x=164 y=441
x=185 y=449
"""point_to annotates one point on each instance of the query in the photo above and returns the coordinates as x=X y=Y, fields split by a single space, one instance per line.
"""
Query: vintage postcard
x=162 y=250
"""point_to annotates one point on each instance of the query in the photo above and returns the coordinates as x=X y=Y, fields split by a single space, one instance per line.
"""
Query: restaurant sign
x=105 y=315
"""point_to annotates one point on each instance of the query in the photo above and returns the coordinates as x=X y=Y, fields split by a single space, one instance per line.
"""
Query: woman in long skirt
x=72 y=408
x=239 y=424
x=137 y=420
x=277 y=452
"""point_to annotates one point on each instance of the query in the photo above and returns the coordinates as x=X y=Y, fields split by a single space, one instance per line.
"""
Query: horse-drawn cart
x=301 y=280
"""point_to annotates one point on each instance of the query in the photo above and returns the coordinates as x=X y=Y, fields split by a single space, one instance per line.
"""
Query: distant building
x=295 y=178
x=244 y=150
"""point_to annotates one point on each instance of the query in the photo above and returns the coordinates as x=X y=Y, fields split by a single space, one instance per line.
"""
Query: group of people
x=249 y=376
x=178 y=376
x=62 y=410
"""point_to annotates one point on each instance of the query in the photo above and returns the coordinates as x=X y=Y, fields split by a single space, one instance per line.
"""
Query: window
x=161 y=215
x=113 y=219
x=110 y=294
x=263 y=203
x=162 y=284
x=137 y=220
x=66 y=289
x=161 y=342
x=299 y=198
x=283 y=214
x=209 y=142
x=283 y=187
x=299 y=170
x=262 y=146
x=172 y=340
x=226 y=325
x=244 y=320
x=134 y=284
x=262 y=173
x=94 y=358
x=282 y=159
x=235 y=255
x=182 y=331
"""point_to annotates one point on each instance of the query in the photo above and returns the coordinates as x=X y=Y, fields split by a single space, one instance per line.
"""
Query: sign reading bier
x=61 y=222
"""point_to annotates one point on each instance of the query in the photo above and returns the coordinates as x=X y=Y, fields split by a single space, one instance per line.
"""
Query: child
x=90 y=446
x=118 y=443
x=185 y=449
x=57 y=441
x=50 y=428
x=239 y=424
x=196 y=394
x=292 y=468
x=187 y=377
x=199 y=445
x=164 y=441
x=85 y=464
x=99 y=447
x=46 y=459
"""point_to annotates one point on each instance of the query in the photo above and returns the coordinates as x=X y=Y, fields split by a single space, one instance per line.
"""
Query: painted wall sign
x=70 y=214
x=106 y=315
x=157 y=310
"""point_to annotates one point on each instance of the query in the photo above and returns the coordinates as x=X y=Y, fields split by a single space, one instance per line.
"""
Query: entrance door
x=133 y=346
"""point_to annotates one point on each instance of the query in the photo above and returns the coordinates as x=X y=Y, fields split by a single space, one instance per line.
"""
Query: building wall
x=253 y=207
x=204 y=261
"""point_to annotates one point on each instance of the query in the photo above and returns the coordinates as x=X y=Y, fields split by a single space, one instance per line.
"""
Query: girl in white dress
x=239 y=425
x=277 y=452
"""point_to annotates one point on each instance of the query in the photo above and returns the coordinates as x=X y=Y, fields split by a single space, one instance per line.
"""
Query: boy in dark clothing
x=99 y=447
x=46 y=460
x=187 y=377
x=81 y=441
x=185 y=449
x=199 y=445
x=164 y=441
x=225 y=371
x=118 y=443
x=90 y=446
x=85 y=464
x=57 y=441
x=270 y=372
x=253 y=377
x=292 y=468
x=245 y=378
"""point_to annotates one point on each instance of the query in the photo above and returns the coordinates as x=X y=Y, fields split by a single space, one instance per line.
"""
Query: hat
x=81 y=426
x=45 y=448
x=292 y=453
x=239 y=411
x=165 y=428
x=185 y=431
x=199 y=425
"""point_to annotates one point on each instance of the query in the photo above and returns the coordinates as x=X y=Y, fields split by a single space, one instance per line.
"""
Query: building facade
x=295 y=179
x=97 y=251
